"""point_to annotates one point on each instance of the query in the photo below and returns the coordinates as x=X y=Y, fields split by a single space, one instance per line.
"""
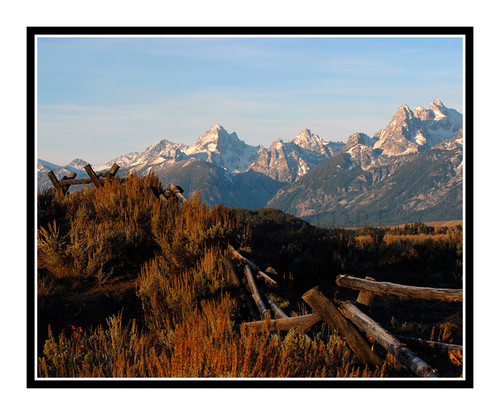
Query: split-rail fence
x=100 y=179
x=347 y=320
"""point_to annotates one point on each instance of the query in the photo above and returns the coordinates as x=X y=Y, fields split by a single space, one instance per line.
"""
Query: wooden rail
x=99 y=179
x=389 y=342
x=343 y=327
x=438 y=347
x=301 y=323
x=255 y=291
x=236 y=282
x=404 y=291
x=348 y=322
x=276 y=309
x=64 y=184
x=262 y=275
x=71 y=175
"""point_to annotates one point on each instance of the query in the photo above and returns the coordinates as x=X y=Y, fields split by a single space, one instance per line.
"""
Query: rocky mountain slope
x=413 y=131
x=287 y=161
x=228 y=171
x=411 y=170
x=360 y=186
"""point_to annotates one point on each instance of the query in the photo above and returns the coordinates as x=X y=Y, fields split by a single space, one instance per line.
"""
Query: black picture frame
x=34 y=382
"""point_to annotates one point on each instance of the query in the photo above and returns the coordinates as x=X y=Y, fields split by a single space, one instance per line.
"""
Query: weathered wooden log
x=111 y=173
x=70 y=176
x=181 y=198
x=255 y=291
x=276 y=309
x=404 y=291
x=252 y=266
x=280 y=314
x=69 y=182
x=266 y=278
x=114 y=169
x=240 y=257
x=93 y=176
x=438 y=347
x=55 y=182
x=301 y=323
x=163 y=199
x=343 y=327
x=308 y=322
x=177 y=190
x=235 y=281
x=365 y=297
x=404 y=355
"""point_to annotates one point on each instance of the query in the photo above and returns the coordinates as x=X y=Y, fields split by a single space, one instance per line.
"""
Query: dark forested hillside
x=218 y=186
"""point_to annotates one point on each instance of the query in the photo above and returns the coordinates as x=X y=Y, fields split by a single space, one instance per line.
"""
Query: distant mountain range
x=410 y=171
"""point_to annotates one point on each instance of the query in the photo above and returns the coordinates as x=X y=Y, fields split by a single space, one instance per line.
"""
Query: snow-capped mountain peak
x=411 y=131
x=225 y=150
x=215 y=136
x=359 y=138
x=313 y=142
x=437 y=102
x=309 y=141
x=78 y=164
x=405 y=109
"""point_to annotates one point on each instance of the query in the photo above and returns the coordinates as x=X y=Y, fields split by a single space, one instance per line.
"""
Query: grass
x=131 y=287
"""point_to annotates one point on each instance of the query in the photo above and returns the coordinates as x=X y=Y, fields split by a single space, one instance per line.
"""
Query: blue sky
x=99 y=98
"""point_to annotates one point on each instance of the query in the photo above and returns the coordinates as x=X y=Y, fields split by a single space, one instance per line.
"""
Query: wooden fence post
x=93 y=176
x=113 y=170
x=343 y=327
x=365 y=297
x=389 y=342
x=54 y=181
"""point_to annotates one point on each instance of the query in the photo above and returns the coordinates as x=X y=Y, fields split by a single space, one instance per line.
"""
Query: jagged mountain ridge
x=226 y=170
x=413 y=131
x=340 y=191
x=287 y=161
x=226 y=151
